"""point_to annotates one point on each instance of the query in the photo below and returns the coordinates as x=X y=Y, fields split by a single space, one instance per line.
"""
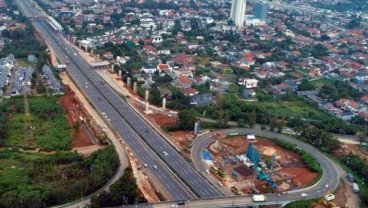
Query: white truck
x=259 y=198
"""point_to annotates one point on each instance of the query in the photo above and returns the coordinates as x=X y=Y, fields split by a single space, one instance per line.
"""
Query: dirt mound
x=301 y=177
x=163 y=120
x=75 y=112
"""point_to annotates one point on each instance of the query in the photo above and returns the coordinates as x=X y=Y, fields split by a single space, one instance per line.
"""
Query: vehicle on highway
x=145 y=165
x=259 y=198
x=165 y=153
x=208 y=172
x=154 y=167
x=303 y=195
x=220 y=184
x=181 y=203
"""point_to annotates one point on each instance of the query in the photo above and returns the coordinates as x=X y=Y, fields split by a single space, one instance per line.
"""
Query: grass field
x=321 y=82
x=46 y=127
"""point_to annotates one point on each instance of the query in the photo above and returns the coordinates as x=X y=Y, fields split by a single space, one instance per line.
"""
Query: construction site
x=87 y=134
x=249 y=165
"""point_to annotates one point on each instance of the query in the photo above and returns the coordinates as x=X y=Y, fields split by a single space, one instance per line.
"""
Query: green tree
x=252 y=118
x=187 y=119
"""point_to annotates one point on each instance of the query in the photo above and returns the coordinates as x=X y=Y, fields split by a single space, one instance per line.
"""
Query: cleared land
x=289 y=170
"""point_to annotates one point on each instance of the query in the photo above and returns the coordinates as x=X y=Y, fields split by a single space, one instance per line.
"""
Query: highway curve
x=331 y=171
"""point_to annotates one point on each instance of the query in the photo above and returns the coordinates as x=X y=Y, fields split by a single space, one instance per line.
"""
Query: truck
x=355 y=188
x=259 y=198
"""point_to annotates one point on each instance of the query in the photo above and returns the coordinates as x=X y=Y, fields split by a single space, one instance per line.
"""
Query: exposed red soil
x=301 y=177
x=288 y=164
x=75 y=111
x=346 y=148
x=163 y=120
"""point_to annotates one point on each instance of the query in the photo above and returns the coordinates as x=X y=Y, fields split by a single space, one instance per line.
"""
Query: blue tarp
x=206 y=155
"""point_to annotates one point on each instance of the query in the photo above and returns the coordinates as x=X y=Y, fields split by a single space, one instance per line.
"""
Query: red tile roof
x=184 y=80
x=190 y=91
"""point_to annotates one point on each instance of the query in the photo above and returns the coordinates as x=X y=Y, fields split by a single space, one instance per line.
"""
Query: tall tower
x=260 y=11
x=238 y=8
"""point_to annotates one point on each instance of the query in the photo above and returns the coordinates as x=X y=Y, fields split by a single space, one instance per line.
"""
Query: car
x=219 y=182
x=208 y=172
x=165 y=153
x=326 y=186
x=303 y=195
x=154 y=167
x=145 y=165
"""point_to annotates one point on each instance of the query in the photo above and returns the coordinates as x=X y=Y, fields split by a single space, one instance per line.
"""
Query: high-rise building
x=260 y=11
x=238 y=8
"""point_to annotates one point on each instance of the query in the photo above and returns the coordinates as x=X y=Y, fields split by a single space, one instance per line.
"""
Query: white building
x=248 y=83
x=237 y=14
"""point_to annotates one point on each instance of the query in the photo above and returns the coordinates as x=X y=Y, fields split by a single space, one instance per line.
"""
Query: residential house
x=262 y=74
x=150 y=50
x=248 y=83
x=182 y=82
x=185 y=72
x=189 y=91
x=108 y=55
x=249 y=93
x=148 y=69
x=182 y=59
x=202 y=99
x=164 y=68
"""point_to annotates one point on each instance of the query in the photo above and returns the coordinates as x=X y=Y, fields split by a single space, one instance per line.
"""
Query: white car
x=304 y=195
x=219 y=182
x=165 y=153
x=154 y=167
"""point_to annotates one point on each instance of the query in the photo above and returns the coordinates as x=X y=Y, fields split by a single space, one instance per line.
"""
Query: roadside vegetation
x=307 y=159
x=123 y=192
x=32 y=177
x=43 y=180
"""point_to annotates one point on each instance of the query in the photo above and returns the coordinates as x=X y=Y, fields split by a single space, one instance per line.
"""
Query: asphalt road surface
x=150 y=147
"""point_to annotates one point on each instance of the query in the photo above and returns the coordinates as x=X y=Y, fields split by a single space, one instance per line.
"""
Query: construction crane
x=270 y=179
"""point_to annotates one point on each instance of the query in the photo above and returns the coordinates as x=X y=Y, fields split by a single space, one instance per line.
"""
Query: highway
x=150 y=147
x=330 y=176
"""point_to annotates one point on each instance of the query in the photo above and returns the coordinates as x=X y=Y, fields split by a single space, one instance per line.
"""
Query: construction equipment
x=254 y=155
x=270 y=179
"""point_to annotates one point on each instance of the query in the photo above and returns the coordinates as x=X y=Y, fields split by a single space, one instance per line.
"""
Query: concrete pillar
x=164 y=103
x=91 y=51
x=135 y=87
x=80 y=45
x=146 y=96
x=128 y=81
x=147 y=106
x=112 y=67
x=120 y=74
